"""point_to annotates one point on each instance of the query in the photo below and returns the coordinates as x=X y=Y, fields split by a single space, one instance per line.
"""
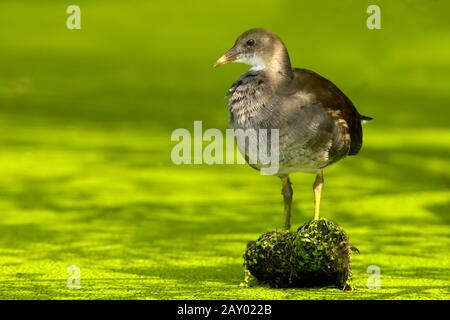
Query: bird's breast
x=248 y=103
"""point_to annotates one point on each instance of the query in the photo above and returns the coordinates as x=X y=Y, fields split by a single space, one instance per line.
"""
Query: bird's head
x=259 y=48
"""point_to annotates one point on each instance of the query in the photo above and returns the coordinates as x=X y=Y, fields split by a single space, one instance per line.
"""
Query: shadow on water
x=442 y=211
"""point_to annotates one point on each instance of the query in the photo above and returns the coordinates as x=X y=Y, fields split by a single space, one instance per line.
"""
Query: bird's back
x=333 y=100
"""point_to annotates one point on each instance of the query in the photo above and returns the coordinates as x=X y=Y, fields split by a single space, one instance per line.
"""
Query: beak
x=229 y=56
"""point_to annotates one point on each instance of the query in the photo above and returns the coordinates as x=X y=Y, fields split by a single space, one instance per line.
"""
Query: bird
x=318 y=124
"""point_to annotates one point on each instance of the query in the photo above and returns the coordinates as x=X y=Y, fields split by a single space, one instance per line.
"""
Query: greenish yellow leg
x=287 y=193
x=318 y=185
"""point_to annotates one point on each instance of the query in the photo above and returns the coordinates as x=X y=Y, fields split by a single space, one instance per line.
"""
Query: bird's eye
x=250 y=42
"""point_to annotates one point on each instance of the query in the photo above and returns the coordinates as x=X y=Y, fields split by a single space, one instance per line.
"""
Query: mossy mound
x=316 y=255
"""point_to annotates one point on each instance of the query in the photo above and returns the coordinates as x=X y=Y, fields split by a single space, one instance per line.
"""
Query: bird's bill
x=228 y=57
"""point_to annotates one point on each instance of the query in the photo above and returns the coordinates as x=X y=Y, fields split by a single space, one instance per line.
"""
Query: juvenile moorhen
x=318 y=125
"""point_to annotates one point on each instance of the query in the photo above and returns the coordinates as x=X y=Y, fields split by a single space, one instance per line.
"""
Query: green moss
x=316 y=255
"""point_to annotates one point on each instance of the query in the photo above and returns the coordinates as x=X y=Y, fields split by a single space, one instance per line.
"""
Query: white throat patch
x=255 y=62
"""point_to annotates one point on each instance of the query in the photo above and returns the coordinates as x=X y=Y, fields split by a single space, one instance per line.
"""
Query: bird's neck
x=278 y=68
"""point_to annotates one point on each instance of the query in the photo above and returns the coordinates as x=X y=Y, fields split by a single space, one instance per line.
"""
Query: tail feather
x=364 y=119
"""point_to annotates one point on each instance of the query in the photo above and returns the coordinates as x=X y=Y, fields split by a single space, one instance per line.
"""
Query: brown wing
x=332 y=98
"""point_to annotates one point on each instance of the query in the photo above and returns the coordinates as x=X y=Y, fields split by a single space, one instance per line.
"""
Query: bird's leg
x=287 y=193
x=318 y=185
